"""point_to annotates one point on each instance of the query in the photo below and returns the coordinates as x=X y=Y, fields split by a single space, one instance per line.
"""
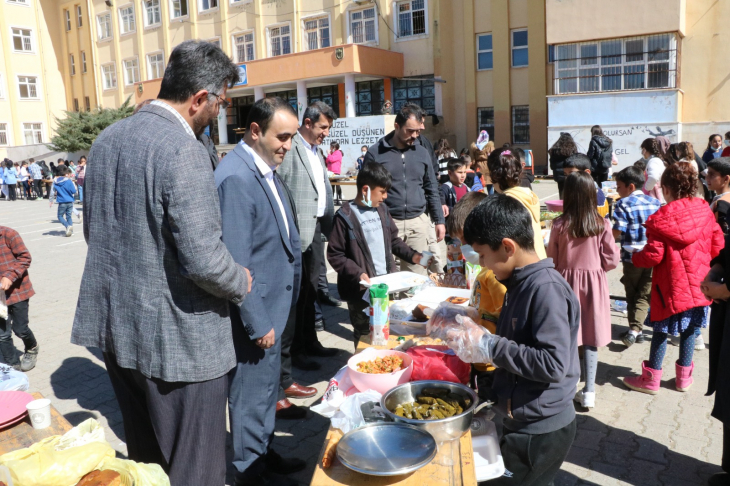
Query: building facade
x=638 y=69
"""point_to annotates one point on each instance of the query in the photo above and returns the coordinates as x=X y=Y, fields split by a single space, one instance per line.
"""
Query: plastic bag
x=349 y=416
x=42 y=464
x=438 y=363
x=339 y=387
x=3 y=306
x=137 y=473
x=12 y=380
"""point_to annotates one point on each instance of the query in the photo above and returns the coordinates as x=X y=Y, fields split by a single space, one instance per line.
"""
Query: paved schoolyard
x=629 y=438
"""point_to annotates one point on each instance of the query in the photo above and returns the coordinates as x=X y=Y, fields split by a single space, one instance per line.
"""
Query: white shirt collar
x=310 y=147
x=177 y=115
x=266 y=170
x=637 y=192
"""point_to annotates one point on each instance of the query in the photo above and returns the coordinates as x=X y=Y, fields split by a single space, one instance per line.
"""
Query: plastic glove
x=444 y=317
x=471 y=342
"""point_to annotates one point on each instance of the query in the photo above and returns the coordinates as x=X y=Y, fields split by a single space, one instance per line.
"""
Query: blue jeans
x=64 y=214
x=81 y=193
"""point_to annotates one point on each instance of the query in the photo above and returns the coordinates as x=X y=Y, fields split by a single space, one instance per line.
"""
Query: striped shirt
x=172 y=110
x=630 y=214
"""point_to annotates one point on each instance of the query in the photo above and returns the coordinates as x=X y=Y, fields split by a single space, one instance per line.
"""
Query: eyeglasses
x=222 y=102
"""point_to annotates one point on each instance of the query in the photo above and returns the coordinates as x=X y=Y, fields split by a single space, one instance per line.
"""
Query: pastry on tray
x=107 y=477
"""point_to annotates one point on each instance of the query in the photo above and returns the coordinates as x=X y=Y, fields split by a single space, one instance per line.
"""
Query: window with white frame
x=208 y=5
x=126 y=19
x=33 y=133
x=109 y=74
x=484 y=52
x=364 y=26
x=87 y=103
x=244 y=47
x=79 y=16
x=155 y=65
x=485 y=120
x=521 y=124
x=131 y=71
x=22 y=40
x=647 y=62
x=179 y=8
x=28 y=87
x=67 y=16
x=76 y=105
x=519 y=48
x=3 y=134
x=279 y=40
x=71 y=64
x=105 y=25
x=152 y=9
x=317 y=33
x=411 y=17
x=83 y=62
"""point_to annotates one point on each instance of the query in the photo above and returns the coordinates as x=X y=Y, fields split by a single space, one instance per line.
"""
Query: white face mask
x=469 y=254
x=726 y=142
x=366 y=200
x=364 y=152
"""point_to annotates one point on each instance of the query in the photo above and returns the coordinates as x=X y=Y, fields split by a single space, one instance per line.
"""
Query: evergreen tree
x=78 y=130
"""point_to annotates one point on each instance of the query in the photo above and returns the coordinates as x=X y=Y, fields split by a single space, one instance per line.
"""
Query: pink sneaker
x=648 y=382
x=684 y=378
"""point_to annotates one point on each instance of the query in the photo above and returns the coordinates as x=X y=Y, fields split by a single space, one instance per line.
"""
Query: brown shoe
x=286 y=410
x=298 y=391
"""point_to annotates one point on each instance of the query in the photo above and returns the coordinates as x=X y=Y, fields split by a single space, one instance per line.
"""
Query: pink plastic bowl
x=556 y=206
x=381 y=383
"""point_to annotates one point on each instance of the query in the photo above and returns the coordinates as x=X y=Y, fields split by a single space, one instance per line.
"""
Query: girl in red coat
x=682 y=238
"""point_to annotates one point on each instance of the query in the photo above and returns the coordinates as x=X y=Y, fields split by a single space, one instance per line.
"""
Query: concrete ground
x=628 y=439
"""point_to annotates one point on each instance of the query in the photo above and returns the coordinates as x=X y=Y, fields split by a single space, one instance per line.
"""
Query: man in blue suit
x=260 y=231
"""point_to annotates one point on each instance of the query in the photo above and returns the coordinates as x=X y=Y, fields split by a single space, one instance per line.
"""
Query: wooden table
x=343 y=182
x=22 y=434
x=452 y=466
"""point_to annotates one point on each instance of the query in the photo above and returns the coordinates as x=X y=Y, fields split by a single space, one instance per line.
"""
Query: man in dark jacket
x=535 y=347
x=414 y=192
x=362 y=243
x=210 y=148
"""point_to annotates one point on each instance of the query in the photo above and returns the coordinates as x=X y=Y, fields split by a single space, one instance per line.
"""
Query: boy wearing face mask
x=361 y=159
x=363 y=241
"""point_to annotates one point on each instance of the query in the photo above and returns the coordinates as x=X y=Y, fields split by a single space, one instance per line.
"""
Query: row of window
x=87 y=104
x=520 y=123
x=79 y=18
x=32 y=133
x=155 y=69
x=485 y=58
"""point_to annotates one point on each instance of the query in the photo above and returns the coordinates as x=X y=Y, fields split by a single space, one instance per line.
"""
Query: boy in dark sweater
x=363 y=241
x=534 y=349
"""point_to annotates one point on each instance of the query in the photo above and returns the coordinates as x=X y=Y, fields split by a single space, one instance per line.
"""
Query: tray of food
x=397 y=282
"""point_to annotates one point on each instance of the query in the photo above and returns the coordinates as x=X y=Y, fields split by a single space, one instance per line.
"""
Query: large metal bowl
x=442 y=430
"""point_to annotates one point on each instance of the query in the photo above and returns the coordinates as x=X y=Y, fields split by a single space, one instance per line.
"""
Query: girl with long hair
x=583 y=250
x=682 y=238
x=563 y=148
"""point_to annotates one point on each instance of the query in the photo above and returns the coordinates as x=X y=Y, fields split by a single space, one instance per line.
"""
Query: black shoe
x=319 y=325
x=640 y=338
x=628 y=339
x=300 y=361
x=322 y=352
x=267 y=478
x=284 y=465
x=326 y=299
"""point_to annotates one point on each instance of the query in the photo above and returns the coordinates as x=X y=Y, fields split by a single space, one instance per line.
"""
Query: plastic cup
x=426 y=258
x=40 y=413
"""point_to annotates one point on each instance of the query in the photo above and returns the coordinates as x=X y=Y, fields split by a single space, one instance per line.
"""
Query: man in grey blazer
x=260 y=231
x=305 y=172
x=158 y=279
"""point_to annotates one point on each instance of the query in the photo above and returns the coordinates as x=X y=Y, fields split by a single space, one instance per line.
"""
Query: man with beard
x=158 y=279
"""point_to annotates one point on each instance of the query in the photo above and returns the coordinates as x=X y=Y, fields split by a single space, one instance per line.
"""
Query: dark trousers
x=322 y=286
x=180 y=426
x=11 y=192
x=305 y=337
x=533 y=460
x=26 y=188
x=16 y=322
x=38 y=184
x=600 y=178
x=286 y=380
x=359 y=320
x=252 y=397
x=637 y=283
x=561 y=185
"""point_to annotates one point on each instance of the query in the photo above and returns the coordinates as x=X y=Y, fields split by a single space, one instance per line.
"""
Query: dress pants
x=180 y=426
x=254 y=386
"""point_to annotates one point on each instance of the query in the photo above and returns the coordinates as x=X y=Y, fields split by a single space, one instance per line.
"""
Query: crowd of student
x=668 y=228
x=27 y=179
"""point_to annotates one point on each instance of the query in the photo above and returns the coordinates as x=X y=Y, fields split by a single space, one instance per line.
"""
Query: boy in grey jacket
x=534 y=349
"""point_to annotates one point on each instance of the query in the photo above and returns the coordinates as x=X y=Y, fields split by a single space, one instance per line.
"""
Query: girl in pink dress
x=583 y=250
x=334 y=165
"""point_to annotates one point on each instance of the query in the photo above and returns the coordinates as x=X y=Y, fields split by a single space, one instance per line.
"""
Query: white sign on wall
x=626 y=139
x=354 y=133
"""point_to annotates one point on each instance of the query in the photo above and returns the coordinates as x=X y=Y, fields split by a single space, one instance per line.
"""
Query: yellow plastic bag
x=137 y=473
x=54 y=462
